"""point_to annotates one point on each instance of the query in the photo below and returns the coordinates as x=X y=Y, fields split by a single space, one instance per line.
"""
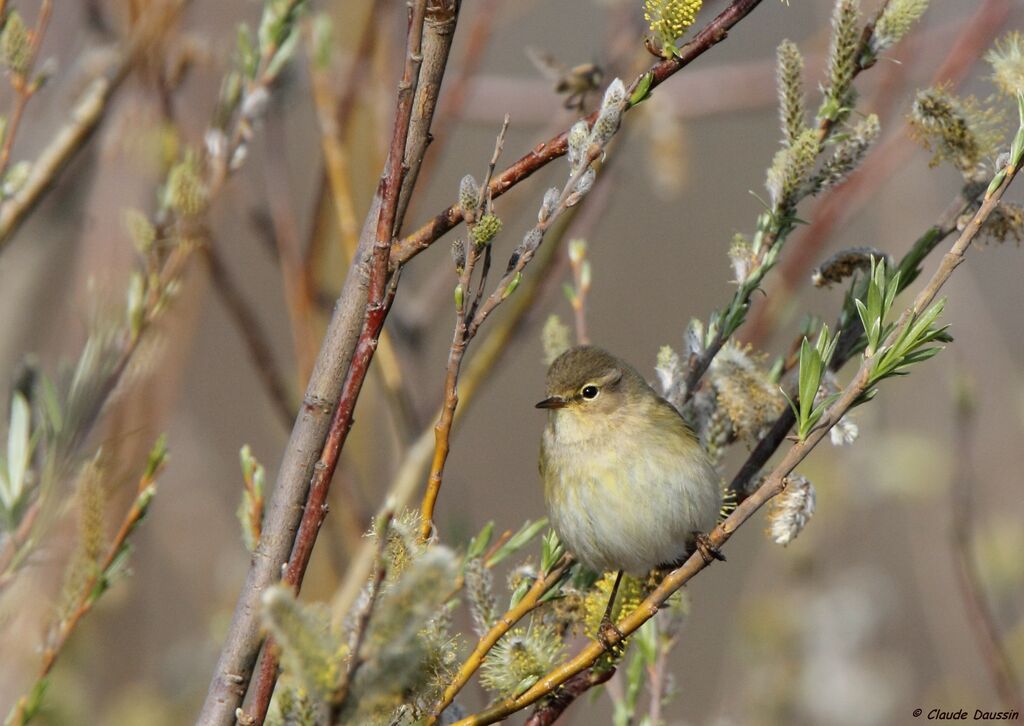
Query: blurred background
x=859 y=621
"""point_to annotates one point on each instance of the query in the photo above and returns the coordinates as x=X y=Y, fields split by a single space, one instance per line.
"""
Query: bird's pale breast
x=631 y=496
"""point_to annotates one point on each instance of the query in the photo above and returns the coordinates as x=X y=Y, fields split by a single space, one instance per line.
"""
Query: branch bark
x=318 y=436
x=772 y=485
x=545 y=152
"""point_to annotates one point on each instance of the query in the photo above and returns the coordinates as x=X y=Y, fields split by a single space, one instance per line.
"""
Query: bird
x=627 y=484
x=576 y=82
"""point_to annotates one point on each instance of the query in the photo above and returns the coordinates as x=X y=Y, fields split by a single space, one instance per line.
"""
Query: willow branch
x=83 y=120
x=546 y=152
x=380 y=296
x=23 y=84
x=505 y=623
x=773 y=484
x=842 y=202
x=90 y=590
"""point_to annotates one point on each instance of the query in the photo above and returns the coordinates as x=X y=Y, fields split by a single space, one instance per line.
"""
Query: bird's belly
x=632 y=512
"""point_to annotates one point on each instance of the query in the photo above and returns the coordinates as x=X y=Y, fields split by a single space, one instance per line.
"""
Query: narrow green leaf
x=643 y=89
x=478 y=545
x=527 y=532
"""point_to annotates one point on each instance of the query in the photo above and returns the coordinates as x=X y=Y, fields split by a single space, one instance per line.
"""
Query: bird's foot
x=708 y=552
x=610 y=636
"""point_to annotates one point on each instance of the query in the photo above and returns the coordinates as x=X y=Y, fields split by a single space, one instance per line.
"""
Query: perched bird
x=627 y=484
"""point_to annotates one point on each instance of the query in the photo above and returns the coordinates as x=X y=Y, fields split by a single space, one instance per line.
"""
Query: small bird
x=627 y=484
x=575 y=82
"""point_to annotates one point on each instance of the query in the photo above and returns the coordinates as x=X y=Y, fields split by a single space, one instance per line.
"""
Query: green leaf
x=643 y=89
x=284 y=53
x=478 y=545
x=551 y=551
x=527 y=532
x=520 y=592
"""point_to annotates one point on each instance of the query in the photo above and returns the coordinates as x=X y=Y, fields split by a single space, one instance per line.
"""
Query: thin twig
x=87 y=595
x=981 y=618
x=23 y=84
x=505 y=623
x=261 y=352
x=773 y=484
x=843 y=202
x=546 y=152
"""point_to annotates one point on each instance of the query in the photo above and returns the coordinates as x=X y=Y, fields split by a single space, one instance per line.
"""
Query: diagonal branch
x=545 y=152
x=773 y=484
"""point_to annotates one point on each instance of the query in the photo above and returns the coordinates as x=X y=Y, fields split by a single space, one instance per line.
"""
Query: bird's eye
x=589 y=392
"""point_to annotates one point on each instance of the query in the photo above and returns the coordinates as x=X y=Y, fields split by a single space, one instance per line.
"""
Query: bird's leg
x=708 y=552
x=607 y=630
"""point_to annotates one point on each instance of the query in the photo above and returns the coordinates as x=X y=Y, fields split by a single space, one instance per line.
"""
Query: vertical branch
x=980 y=616
x=380 y=296
x=466 y=303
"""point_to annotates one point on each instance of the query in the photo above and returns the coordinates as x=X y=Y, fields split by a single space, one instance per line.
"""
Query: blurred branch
x=83 y=119
x=104 y=573
x=22 y=83
x=979 y=611
x=544 y=153
x=295 y=282
x=261 y=351
x=363 y=617
x=775 y=482
x=580 y=288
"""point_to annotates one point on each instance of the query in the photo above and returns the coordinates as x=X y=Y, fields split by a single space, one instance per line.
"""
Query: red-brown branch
x=545 y=152
x=378 y=305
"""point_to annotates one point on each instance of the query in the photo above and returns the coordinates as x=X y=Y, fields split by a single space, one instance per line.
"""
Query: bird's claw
x=708 y=552
x=610 y=636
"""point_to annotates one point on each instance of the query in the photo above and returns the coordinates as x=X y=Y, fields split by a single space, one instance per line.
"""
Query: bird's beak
x=552 y=402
